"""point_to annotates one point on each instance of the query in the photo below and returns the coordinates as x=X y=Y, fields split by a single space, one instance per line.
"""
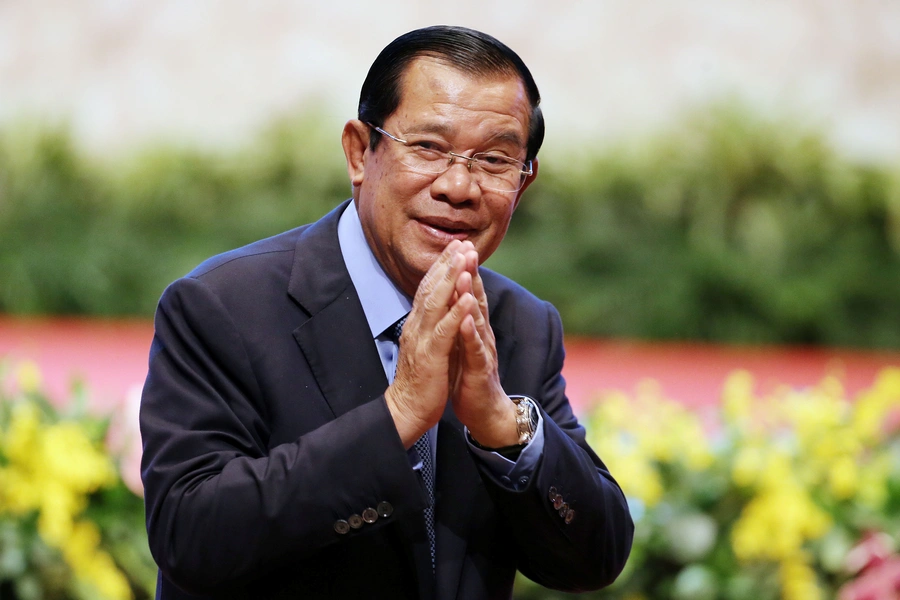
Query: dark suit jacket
x=264 y=422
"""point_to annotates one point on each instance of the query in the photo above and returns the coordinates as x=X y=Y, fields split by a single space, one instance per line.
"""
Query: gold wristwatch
x=526 y=418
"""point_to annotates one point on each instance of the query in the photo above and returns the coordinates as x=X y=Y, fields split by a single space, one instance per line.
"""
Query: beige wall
x=123 y=72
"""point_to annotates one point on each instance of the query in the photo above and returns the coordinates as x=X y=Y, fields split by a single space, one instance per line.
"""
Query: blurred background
x=717 y=220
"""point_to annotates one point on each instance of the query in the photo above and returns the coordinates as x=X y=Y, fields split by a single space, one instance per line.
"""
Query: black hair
x=470 y=51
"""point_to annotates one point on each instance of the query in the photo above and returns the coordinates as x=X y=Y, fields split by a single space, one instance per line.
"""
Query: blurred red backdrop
x=110 y=357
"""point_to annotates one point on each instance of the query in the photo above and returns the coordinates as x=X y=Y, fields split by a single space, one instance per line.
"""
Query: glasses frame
x=526 y=168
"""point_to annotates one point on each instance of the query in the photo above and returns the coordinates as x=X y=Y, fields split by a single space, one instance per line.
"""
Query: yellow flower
x=19 y=494
x=796 y=452
x=72 y=458
x=778 y=469
x=639 y=479
x=59 y=506
x=843 y=478
x=776 y=523
x=92 y=565
x=737 y=397
x=49 y=471
x=635 y=438
x=28 y=375
x=749 y=464
x=873 y=406
x=873 y=477
x=21 y=440
x=798 y=580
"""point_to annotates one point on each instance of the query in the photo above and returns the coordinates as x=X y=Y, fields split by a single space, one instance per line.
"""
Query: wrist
x=518 y=427
x=409 y=428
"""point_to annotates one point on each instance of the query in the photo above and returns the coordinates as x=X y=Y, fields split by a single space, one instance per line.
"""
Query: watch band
x=526 y=418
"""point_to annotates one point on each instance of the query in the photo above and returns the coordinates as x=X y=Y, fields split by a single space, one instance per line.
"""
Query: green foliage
x=726 y=228
x=105 y=238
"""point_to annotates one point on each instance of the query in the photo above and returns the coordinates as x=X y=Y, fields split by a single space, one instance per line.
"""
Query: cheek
x=501 y=215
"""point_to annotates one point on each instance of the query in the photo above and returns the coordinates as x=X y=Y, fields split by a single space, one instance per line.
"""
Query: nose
x=457 y=184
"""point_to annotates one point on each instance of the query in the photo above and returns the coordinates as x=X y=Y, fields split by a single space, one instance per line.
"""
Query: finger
x=448 y=328
x=439 y=297
x=479 y=293
x=468 y=333
x=475 y=359
x=437 y=294
x=471 y=259
x=483 y=321
x=438 y=269
x=463 y=284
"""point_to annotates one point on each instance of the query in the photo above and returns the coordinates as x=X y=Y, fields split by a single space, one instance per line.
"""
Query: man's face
x=408 y=217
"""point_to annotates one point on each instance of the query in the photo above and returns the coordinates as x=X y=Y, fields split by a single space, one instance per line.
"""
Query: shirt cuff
x=516 y=475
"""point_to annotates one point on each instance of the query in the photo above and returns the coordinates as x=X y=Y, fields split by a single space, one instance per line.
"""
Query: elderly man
x=298 y=445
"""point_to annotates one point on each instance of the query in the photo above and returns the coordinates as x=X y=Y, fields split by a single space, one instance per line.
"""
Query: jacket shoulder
x=284 y=242
x=503 y=289
x=512 y=305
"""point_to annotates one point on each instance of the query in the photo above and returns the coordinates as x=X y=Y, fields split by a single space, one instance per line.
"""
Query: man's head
x=470 y=51
x=456 y=91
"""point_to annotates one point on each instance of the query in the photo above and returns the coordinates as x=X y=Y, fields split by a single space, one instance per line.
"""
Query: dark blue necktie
x=423 y=449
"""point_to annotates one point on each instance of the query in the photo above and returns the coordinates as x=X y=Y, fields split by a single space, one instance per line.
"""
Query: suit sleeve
x=571 y=523
x=222 y=506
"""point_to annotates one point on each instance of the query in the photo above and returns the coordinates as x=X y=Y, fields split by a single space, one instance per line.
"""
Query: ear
x=528 y=181
x=355 y=140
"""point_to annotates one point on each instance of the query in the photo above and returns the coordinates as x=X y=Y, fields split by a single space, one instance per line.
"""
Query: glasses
x=496 y=172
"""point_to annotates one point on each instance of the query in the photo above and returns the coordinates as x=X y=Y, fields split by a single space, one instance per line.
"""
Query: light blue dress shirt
x=383 y=305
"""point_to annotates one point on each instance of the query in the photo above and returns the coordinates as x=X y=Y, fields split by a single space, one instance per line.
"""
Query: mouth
x=448 y=227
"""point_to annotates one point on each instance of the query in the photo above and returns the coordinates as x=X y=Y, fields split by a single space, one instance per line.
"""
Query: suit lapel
x=335 y=339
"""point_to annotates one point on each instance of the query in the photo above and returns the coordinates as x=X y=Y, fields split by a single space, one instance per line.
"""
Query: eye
x=496 y=163
x=427 y=149
x=426 y=145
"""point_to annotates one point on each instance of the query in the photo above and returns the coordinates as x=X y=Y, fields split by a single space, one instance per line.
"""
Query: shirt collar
x=382 y=302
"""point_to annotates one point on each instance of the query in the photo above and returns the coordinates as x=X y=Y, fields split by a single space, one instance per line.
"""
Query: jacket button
x=370 y=515
x=341 y=526
x=553 y=494
x=385 y=509
x=570 y=514
x=562 y=512
x=558 y=502
x=355 y=521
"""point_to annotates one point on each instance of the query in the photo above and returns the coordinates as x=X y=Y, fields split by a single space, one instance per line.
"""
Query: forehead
x=440 y=98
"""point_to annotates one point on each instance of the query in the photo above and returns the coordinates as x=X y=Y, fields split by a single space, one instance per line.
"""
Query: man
x=294 y=449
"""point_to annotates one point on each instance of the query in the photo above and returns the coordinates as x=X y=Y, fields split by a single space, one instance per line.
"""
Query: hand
x=478 y=398
x=426 y=364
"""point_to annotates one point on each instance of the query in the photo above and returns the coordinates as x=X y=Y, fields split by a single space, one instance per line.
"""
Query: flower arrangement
x=766 y=497
x=791 y=495
x=69 y=527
